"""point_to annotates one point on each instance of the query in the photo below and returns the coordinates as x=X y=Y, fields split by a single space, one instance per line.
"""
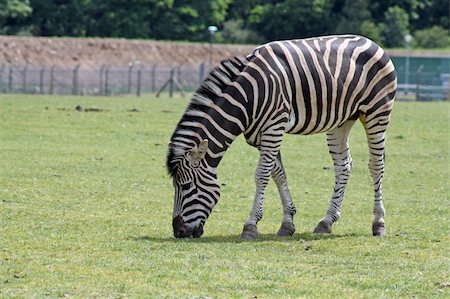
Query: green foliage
x=432 y=13
x=251 y=21
x=234 y=32
x=291 y=19
x=86 y=207
x=371 y=30
x=395 y=27
x=12 y=14
x=434 y=37
x=353 y=15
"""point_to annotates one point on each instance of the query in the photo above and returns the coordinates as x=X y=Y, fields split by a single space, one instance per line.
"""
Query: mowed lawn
x=86 y=208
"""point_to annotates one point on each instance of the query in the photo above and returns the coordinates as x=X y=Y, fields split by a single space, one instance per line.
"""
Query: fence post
x=75 y=80
x=418 y=82
x=52 y=79
x=24 y=79
x=172 y=74
x=41 y=80
x=1 y=78
x=202 y=74
x=154 y=78
x=448 y=90
x=107 y=93
x=130 y=71
x=102 y=68
x=10 y=79
x=139 y=81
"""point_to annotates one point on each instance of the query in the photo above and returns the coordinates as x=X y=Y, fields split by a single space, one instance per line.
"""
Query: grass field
x=86 y=207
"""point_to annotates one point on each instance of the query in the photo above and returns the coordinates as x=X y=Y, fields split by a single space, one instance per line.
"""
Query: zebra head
x=196 y=188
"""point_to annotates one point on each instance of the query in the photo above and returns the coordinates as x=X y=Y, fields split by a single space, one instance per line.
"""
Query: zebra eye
x=186 y=186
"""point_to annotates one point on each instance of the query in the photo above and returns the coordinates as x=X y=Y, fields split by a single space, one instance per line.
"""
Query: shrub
x=234 y=32
x=396 y=23
x=434 y=37
x=371 y=30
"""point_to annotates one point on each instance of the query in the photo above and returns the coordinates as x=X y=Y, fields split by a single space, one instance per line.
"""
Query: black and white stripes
x=300 y=87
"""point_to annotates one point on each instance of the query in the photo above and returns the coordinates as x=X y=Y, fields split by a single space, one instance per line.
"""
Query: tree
x=58 y=18
x=13 y=13
x=395 y=27
x=189 y=20
x=434 y=37
x=354 y=13
x=378 y=8
x=431 y=13
x=234 y=32
x=371 y=30
x=291 y=19
x=123 y=18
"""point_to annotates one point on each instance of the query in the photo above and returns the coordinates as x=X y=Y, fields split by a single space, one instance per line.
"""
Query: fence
x=106 y=80
x=419 y=78
x=423 y=78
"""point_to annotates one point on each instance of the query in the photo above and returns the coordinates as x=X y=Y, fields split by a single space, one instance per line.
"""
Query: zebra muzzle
x=181 y=230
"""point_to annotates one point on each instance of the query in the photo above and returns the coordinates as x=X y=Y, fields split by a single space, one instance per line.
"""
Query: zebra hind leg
x=375 y=126
x=279 y=176
x=337 y=140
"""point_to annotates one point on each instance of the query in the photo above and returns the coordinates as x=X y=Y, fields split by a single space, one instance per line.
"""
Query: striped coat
x=302 y=87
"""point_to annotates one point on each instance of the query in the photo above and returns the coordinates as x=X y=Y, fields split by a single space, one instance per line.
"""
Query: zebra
x=304 y=86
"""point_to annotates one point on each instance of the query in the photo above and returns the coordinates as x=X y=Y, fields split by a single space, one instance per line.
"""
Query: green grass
x=86 y=206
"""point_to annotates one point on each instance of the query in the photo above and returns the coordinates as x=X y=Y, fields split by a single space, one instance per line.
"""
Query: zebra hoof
x=287 y=229
x=250 y=232
x=378 y=229
x=323 y=228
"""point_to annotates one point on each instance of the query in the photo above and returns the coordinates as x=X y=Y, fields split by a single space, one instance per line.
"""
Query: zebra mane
x=172 y=163
x=214 y=84
x=218 y=79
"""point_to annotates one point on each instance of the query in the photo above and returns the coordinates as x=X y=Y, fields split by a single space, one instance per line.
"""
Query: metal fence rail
x=425 y=86
x=106 y=80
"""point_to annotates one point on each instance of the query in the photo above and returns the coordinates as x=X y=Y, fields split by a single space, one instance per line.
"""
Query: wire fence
x=425 y=86
x=416 y=82
x=106 y=80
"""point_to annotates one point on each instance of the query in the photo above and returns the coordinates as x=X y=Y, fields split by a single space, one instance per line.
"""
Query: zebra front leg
x=279 y=176
x=262 y=176
x=337 y=140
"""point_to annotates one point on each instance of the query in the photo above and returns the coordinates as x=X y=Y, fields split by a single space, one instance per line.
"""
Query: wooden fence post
x=75 y=80
x=130 y=73
x=107 y=93
x=154 y=78
x=24 y=79
x=418 y=82
x=10 y=79
x=52 y=79
x=139 y=81
x=41 y=80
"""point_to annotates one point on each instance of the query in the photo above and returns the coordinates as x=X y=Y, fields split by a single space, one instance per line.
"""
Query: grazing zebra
x=304 y=86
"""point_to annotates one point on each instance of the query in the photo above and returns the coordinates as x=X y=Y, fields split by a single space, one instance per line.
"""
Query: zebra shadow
x=298 y=237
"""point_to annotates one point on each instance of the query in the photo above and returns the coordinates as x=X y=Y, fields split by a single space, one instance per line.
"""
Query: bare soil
x=94 y=52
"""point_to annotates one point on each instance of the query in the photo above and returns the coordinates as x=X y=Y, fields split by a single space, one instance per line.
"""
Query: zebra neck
x=211 y=118
x=216 y=111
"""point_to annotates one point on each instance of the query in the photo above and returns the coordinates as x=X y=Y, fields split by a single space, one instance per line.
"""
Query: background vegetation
x=250 y=21
x=86 y=207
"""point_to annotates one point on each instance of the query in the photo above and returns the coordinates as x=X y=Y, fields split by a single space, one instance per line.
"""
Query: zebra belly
x=315 y=118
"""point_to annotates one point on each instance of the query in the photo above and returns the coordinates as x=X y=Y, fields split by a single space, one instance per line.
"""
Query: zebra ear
x=199 y=151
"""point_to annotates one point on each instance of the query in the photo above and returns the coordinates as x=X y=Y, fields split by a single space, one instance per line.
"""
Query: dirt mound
x=93 y=52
